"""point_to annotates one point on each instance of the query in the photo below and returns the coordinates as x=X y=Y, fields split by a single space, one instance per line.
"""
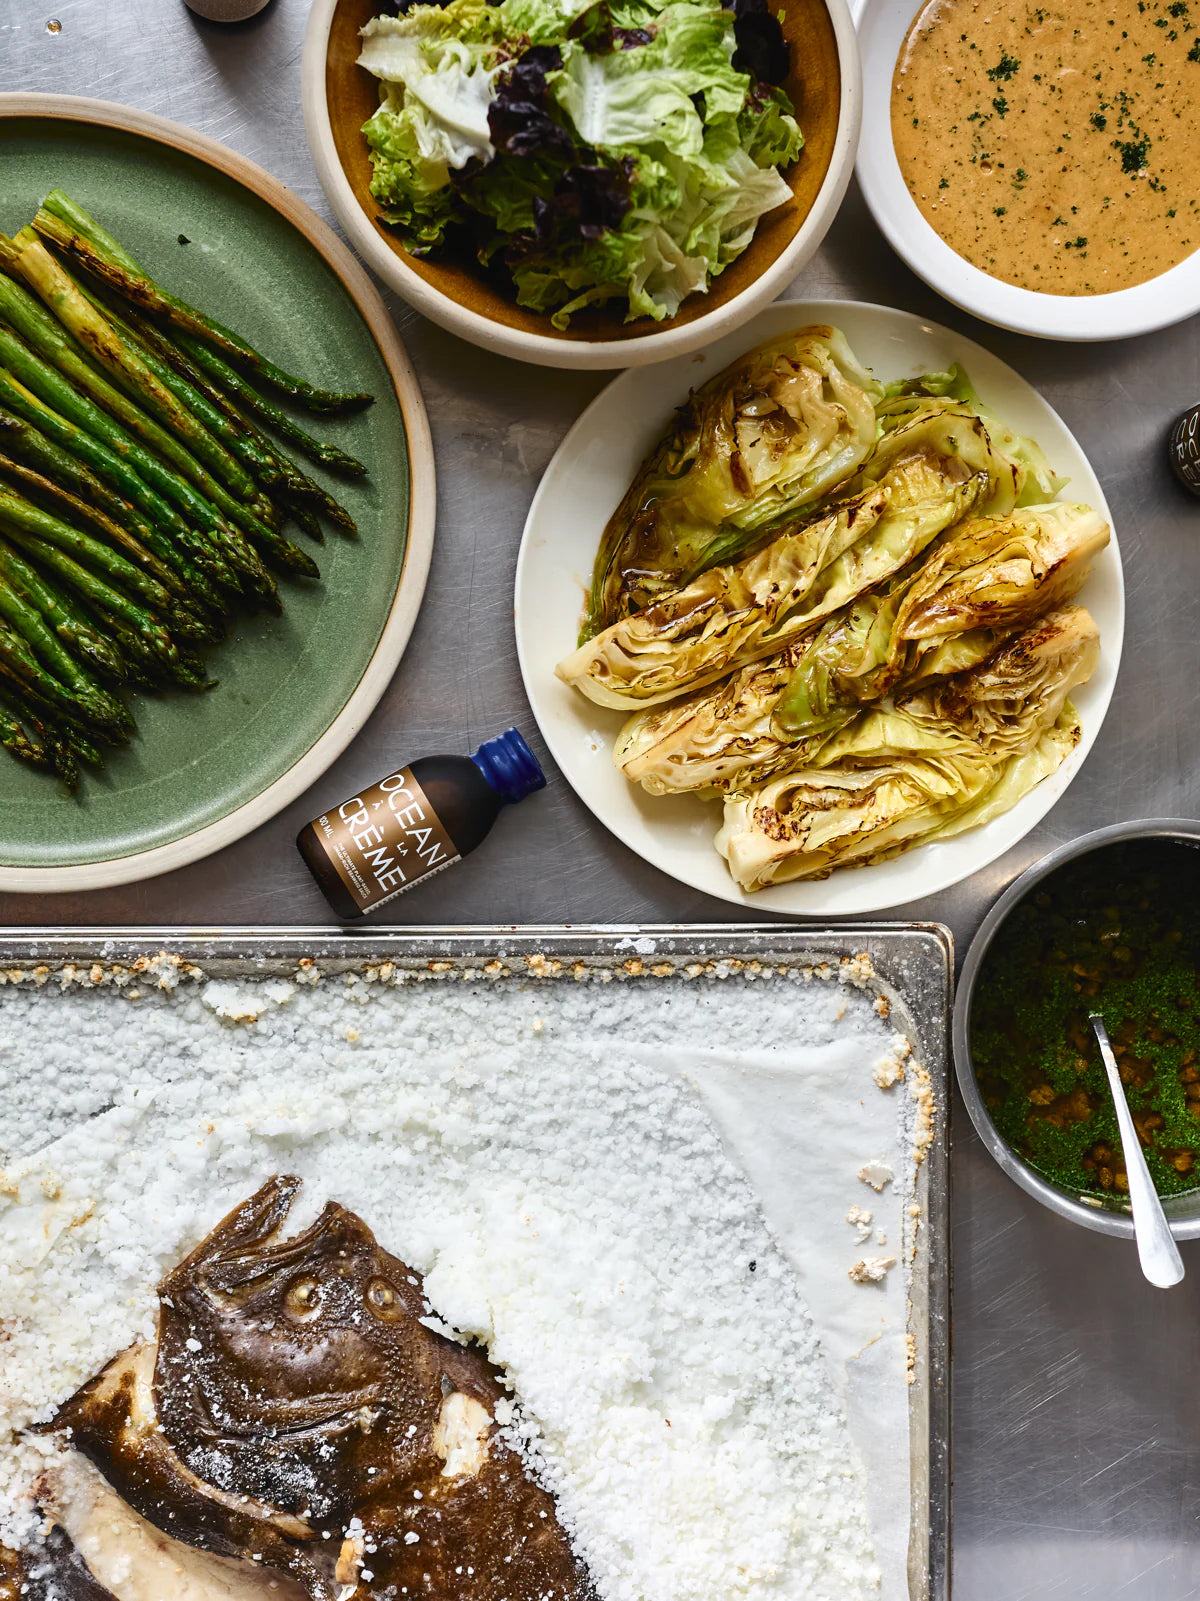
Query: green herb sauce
x=1117 y=932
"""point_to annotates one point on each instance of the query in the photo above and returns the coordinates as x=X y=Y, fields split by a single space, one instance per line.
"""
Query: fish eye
x=383 y=1299
x=303 y=1299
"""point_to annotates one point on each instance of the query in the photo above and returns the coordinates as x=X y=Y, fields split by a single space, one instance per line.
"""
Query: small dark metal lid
x=1183 y=449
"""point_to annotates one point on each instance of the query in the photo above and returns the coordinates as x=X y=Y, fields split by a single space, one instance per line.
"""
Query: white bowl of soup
x=1039 y=165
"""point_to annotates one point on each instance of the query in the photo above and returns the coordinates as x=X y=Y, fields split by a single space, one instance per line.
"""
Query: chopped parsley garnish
x=1001 y=106
x=1135 y=154
x=1005 y=68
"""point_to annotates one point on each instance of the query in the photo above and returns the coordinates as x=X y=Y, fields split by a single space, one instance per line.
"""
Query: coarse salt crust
x=569 y=1203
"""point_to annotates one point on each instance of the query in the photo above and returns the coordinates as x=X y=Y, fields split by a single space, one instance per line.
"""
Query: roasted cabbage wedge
x=945 y=614
x=936 y=390
x=721 y=735
x=936 y=762
x=986 y=577
x=771 y=434
x=924 y=476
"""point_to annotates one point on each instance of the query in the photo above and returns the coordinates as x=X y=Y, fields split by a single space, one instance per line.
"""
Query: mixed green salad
x=588 y=150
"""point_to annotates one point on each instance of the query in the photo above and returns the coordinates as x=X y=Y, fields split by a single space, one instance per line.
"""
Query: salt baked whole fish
x=296 y=1415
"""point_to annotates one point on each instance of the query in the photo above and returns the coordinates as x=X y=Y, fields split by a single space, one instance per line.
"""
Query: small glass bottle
x=415 y=822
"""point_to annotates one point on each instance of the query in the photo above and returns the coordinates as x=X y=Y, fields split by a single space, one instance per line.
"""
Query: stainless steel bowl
x=1183 y=1211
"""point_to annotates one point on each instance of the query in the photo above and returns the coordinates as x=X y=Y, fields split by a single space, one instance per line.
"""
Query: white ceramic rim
x=418 y=550
x=852 y=892
x=1159 y=302
x=541 y=349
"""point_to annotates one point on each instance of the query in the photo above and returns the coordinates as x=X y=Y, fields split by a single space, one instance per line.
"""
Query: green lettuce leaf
x=413 y=188
x=446 y=81
x=647 y=96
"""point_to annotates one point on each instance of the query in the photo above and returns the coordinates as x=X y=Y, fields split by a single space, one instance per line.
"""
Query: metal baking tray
x=913 y=965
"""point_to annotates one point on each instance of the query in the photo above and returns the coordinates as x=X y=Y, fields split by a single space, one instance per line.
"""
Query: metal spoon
x=1157 y=1251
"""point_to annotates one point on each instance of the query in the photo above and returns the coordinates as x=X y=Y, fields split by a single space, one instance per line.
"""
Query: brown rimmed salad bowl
x=454 y=291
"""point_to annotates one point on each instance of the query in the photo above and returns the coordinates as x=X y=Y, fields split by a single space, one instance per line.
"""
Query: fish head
x=272 y=1349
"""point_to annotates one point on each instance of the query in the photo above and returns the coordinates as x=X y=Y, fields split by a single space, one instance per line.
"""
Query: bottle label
x=386 y=839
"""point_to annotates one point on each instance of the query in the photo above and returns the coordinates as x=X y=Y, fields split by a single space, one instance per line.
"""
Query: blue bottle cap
x=509 y=766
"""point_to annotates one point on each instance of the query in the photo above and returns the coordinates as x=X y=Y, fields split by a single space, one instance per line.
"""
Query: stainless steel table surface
x=1077 y=1389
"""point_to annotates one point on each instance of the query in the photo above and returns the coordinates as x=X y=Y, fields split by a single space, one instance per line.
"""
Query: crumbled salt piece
x=888 y=1070
x=193 y=1344
x=411 y=1537
x=876 y=1174
x=880 y=1237
x=366 y=1575
x=872 y=1269
x=440 y=1326
x=861 y=1219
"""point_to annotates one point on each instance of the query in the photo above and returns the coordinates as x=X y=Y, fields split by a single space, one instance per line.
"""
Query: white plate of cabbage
x=825 y=619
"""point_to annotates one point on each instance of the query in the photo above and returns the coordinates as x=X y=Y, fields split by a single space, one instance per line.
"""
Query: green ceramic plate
x=204 y=769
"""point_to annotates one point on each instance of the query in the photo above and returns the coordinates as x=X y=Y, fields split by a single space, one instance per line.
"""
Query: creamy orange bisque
x=1055 y=147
